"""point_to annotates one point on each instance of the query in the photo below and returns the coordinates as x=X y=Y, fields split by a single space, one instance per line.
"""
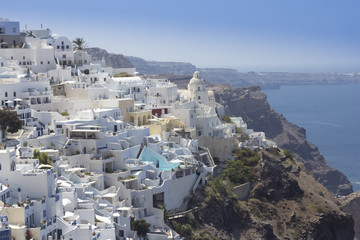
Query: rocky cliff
x=111 y=59
x=285 y=202
x=351 y=205
x=274 y=79
x=250 y=103
x=155 y=67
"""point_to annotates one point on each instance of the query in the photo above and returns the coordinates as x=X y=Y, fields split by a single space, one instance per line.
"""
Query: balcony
x=39 y=93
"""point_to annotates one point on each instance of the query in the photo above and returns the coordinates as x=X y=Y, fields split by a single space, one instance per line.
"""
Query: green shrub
x=226 y=119
x=123 y=74
x=186 y=230
x=242 y=169
x=289 y=156
x=43 y=157
x=215 y=189
x=273 y=151
x=141 y=227
x=190 y=218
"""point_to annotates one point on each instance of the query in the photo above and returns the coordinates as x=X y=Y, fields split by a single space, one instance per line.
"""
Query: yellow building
x=140 y=118
x=161 y=126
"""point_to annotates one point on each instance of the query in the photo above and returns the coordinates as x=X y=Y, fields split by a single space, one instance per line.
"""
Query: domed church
x=197 y=89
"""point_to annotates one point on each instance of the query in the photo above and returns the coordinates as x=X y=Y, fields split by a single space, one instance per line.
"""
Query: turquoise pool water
x=148 y=155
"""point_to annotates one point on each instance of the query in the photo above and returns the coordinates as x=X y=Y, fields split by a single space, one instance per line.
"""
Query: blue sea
x=331 y=116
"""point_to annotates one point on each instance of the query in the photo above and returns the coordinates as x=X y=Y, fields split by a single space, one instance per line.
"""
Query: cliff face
x=351 y=205
x=250 y=103
x=285 y=202
x=155 y=67
x=274 y=79
x=111 y=59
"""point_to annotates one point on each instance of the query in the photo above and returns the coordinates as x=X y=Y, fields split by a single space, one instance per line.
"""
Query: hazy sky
x=250 y=35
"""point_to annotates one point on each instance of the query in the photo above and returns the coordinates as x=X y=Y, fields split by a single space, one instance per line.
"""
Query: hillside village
x=101 y=148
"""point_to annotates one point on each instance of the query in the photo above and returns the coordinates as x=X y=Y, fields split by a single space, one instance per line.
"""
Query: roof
x=196 y=78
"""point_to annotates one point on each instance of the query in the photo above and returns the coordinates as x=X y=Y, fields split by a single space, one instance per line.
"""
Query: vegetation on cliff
x=284 y=202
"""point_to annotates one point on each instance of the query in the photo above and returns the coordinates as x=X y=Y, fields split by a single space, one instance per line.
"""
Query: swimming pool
x=148 y=155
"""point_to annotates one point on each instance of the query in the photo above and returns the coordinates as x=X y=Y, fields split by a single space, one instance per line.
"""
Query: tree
x=141 y=227
x=79 y=44
x=43 y=157
x=9 y=122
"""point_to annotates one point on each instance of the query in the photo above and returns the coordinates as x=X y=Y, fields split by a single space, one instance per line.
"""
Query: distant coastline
x=231 y=76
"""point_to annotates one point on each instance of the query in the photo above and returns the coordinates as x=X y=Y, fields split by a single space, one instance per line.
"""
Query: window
x=199 y=97
x=5 y=94
x=67 y=46
x=48 y=62
x=41 y=62
x=12 y=58
x=85 y=61
x=0 y=166
x=2 y=64
x=64 y=56
x=24 y=57
x=62 y=42
x=58 y=47
x=19 y=63
x=198 y=88
x=24 y=63
x=14 y=30
x=14 y=94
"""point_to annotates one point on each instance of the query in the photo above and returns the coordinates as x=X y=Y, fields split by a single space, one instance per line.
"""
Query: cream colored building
x=140 y=118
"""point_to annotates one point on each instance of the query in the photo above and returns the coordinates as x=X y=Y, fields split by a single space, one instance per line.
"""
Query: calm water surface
x=331 y=116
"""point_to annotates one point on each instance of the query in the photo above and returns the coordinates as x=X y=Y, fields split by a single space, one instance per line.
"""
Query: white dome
x=196 y=78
